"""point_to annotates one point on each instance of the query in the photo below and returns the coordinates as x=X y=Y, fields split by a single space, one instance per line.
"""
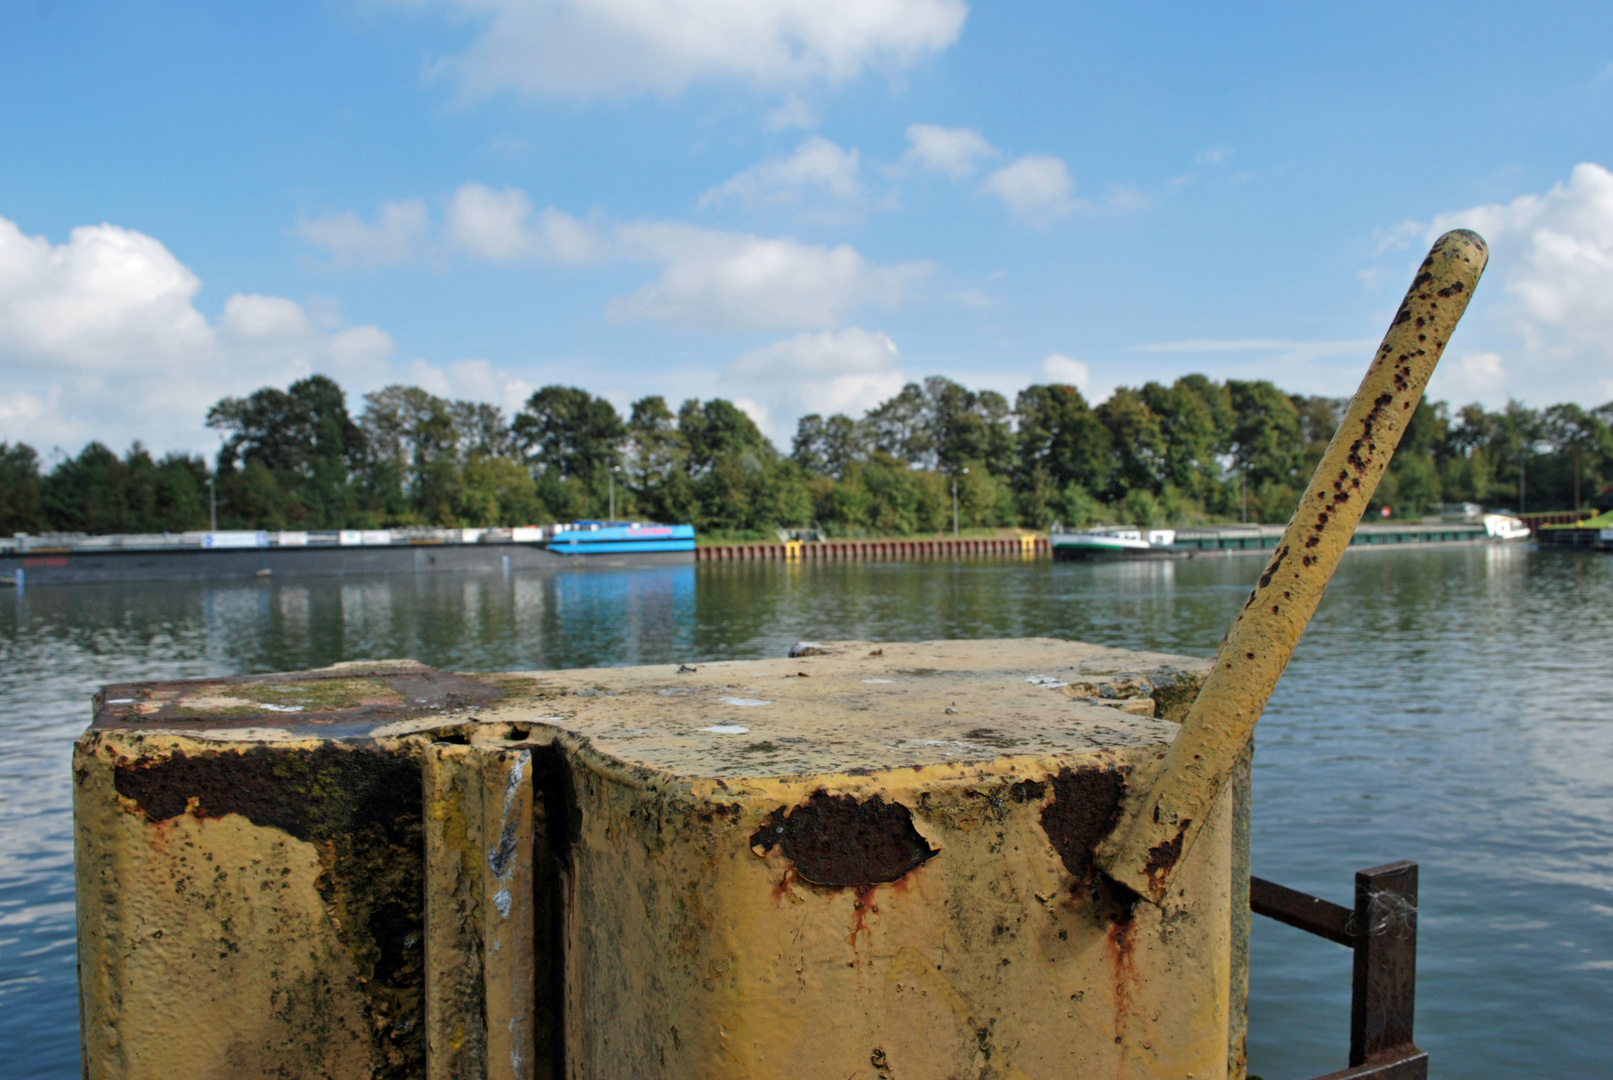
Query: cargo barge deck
x=55 y=560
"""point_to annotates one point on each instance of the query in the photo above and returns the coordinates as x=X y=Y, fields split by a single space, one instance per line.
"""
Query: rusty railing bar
x=1414 y=1066
x=1381 y=930
x=1383 y=998
x=1309 y=913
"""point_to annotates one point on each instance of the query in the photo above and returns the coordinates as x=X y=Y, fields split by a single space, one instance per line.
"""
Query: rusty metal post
x=1166 y=805
x=1384 y=927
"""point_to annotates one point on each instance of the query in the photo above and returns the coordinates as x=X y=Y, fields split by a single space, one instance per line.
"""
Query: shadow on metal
x=1382 y=930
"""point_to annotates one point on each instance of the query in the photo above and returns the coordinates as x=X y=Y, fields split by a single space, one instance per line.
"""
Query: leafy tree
x=1061 y=441
x=20 y=506
x=303 y=435
x=828 y=447
x=1137 y=442
x=901 y=427
x=1195 y=422
x=571 y=432
x=719 y=429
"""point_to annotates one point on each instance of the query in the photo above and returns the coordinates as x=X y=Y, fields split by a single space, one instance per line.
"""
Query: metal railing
x=1382 y=931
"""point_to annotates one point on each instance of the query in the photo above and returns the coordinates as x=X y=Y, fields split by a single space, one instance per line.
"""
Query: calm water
x=1454 y=707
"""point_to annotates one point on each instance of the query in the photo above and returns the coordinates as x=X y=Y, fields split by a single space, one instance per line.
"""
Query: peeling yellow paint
x=886 y=873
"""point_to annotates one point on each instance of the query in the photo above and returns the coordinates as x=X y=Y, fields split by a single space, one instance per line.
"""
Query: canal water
x=1452 y=706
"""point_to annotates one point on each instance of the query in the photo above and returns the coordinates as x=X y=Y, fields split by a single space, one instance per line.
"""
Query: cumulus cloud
x=588 y=48
x=1035 y=187
x=957 y=152
x=1058 y=368
x=711 y=279
x=100 y=339
x=397 y=236
x=818 y=167
x=724 y=281
x=1547 y=298
x=1470 y=377
x=500 y=226
x=831 y=371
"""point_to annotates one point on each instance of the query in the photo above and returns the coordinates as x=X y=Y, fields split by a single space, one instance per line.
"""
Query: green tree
x=302 y=435
x=20 y=506
x=570 y=431
x=1137 y=442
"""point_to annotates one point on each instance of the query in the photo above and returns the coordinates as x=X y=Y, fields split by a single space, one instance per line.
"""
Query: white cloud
x=488 y=224
x=831 y=371
x=1473 y=377
x=817 y=166
x=721 y=281
x=105 y=297
x=1059 y=368
x=710 y=278
x=100 y=339
x=793 y=113
x=587 y=48
x=1547 y=297
x=397 y=237
x=1036 y=187
x=954 y=151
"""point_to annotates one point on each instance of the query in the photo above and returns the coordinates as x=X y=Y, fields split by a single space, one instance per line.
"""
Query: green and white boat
x=1115 y=542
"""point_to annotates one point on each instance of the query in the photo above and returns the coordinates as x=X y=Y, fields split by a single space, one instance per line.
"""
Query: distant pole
x=1523 y=458
x=1243 y=496
x=955 y=503
x=212 y=503
x=1576 y=478
x=614 y=469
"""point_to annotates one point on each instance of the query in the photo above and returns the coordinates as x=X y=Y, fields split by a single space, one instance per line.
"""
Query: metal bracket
x=1382 y=931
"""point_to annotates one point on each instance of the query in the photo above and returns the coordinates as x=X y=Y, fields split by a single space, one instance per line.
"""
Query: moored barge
x=1135 y=542
x=52 y=560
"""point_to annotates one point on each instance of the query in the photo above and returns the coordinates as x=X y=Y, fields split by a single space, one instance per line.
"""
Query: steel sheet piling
x=1165 y=807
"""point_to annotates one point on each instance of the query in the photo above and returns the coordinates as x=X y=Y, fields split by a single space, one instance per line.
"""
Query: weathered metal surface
x=1382 y=931
x=244 y=906
x=1300 y=910
x=873 y=860
x=1383 y=1001
x=1164 y=810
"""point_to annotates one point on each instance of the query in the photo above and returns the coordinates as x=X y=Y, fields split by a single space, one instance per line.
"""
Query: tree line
x=1195 y=451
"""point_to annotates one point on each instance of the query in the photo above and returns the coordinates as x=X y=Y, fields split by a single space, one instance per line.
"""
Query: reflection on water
x=1446 y=706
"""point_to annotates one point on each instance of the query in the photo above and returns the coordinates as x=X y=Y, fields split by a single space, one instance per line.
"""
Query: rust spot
x=1276 y=565
x=1162 y=857
x=835 y=840
x=1085 y=806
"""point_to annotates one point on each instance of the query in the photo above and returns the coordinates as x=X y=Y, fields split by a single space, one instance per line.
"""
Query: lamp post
x=955 y=503
x=614 y=469
x=212 y=502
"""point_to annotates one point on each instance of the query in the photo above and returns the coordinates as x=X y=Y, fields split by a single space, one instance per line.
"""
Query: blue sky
x=797 y=204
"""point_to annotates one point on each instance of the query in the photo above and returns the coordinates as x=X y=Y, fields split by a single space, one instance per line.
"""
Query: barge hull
x=177 y=564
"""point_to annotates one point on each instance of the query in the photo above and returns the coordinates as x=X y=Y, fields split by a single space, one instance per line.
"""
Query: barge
x=1135 y=542
x=1592 y=534
x=54 y=560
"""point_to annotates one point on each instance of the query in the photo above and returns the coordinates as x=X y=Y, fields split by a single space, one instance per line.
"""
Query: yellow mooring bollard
x=869 y=860
x=1163 y=812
